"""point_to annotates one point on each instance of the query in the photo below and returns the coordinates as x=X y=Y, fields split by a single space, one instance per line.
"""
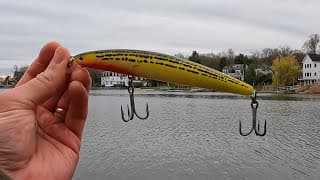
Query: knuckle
x=43 y=78
x=46 y=79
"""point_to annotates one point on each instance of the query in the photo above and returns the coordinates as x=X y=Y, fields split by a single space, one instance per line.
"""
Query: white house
x=310 y=69
x=260 y=71
x=236 y=71
x=111 y=79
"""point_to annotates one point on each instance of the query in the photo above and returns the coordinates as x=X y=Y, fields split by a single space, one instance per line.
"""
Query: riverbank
x=314 y=89
x=311 y=89
x=6 y=87
x=159 y=88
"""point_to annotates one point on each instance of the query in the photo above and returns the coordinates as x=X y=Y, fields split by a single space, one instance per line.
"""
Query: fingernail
x=58 y=55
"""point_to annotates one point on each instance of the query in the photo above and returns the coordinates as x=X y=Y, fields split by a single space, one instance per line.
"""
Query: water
x=195 y=136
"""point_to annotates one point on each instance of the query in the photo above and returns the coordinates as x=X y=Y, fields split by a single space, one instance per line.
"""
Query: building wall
x=236 y=71
x=310 y=70
x=2 y=77
x=110 y=79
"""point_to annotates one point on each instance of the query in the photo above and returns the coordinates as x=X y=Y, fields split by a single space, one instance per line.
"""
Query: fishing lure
x=162 y=67
x=167 y=68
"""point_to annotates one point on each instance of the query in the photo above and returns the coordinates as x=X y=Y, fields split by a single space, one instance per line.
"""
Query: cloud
x=168 y=26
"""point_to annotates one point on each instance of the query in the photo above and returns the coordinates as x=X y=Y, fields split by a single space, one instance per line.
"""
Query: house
x=236 y=71
x=5 y=80
x=113 y=79
x=2 y=79
x=310 y=69
x=110 y=79
x=262 y=72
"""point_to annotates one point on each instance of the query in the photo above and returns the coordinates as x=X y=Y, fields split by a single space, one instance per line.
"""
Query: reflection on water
x=195 y=136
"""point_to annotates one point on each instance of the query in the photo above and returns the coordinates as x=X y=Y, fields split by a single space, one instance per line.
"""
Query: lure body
x=162 y=67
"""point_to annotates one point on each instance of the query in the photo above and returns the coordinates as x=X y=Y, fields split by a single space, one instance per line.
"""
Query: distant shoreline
x=312 y=90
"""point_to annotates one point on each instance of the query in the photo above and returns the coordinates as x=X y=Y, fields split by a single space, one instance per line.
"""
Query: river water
x=195 y=136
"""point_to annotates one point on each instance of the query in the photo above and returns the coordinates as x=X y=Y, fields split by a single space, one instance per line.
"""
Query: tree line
x=284 y=62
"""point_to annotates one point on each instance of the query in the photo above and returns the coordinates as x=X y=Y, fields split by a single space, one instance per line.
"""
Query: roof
x=314 y=57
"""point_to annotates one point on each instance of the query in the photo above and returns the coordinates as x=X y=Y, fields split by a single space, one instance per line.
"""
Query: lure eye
x=80 y=58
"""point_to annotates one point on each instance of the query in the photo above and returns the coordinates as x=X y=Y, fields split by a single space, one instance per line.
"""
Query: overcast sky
x=166 y=26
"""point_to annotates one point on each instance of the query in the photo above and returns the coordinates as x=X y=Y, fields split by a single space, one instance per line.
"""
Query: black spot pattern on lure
x=171 y=66
x=195 y=72
x=160 y=58
x=174 y=62
x=145 y=56
x=187 y=65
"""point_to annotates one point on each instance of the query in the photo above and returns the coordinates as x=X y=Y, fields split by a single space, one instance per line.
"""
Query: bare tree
x=15 y=69
x=230 y=53
x=230 y=56
x=267 y=52
x=311 y=45
x=285 y=50
x=18 y=72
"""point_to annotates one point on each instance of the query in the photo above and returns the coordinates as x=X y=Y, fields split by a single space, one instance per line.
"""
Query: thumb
x=47 y=83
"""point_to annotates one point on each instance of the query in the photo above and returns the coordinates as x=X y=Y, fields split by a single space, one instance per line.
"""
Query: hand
x=42 y=118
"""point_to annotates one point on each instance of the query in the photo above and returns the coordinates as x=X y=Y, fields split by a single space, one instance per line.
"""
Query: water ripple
x=195 y=136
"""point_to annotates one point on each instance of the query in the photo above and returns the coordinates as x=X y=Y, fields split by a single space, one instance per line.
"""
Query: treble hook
x=255 y=127
x=132 y=112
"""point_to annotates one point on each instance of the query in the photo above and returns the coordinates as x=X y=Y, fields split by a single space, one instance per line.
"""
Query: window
x=315 y=74
x=315 y=65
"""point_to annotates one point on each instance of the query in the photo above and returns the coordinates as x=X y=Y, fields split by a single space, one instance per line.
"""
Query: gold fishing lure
x=162 y=67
